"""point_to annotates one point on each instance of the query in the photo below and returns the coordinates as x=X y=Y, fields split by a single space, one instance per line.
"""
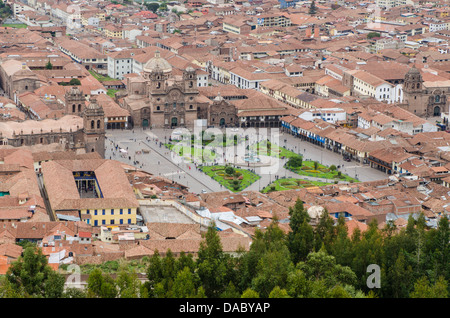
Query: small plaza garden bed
x=231 y=178
x=314 y=169
x=292 y=183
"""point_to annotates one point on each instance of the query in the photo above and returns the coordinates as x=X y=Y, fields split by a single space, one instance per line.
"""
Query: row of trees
x=307 y=262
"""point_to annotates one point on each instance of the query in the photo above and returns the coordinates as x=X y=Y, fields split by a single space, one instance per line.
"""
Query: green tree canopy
x=31 y=275
x=74 y=82
x=152 y=6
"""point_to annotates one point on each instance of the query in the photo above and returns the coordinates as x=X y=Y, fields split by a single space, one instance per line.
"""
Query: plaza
x=145 y=149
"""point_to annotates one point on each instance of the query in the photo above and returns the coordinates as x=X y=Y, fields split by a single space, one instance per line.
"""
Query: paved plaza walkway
x=161 y=161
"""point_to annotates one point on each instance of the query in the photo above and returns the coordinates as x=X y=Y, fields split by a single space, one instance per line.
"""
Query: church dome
x=413 y=70
x=93 y=103
x=157 y=63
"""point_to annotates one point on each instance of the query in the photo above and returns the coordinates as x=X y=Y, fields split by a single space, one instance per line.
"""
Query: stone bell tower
x=74 y=101
x=94 y=127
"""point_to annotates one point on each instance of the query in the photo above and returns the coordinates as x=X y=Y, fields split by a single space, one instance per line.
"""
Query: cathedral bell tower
x=413 y=81
x=94 y=127
x=74 y=101
x=190 y=80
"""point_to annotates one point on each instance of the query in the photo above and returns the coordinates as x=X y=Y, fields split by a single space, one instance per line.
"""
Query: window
x=103 y=212
x=92 y=124
x=129 y=221
x=112 y=211
x=129 y=211
x=95 y=212
x=121 y=221
x=121 y=211
x=98 y=124
x=103 y=222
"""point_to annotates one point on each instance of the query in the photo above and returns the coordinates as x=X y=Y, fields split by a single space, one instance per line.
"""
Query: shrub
x=295 y=162
x=316 y=165
x=229 y=170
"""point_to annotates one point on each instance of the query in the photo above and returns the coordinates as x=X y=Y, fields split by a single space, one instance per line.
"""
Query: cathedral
x=425 y=98
x=81 y=130
x=157 y=98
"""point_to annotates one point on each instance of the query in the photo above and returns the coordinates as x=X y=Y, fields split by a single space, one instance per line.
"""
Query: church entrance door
x=145 y=123
x=222 y=122
x=437 y=111
x=174 y=122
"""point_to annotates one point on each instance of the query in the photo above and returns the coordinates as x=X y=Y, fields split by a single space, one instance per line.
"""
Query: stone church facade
x=425 y=99
x=83 y=132
x=159 y=99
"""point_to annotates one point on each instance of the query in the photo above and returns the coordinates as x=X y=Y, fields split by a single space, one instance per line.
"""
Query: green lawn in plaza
x=292 y=183
x=266 y=148
x=237 y=180
x=315 y=169
x=192 y=154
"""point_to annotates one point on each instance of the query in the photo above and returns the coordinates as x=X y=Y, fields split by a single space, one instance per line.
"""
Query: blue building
x=287 y=3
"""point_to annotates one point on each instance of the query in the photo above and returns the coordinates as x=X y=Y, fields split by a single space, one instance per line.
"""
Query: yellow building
x=112 y=31
x=96 y=191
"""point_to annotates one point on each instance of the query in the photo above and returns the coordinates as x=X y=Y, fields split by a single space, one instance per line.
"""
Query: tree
x=319 y=266
x=324 y=232
x=300 y=240
x=342 y=247
x=152 y=6
x=128 y=284
x=163 y=7
x=101 y=286
x=31 y=275
x=73 y=292
x=211 y=263
x=185 y=284
x=154 y=270
x=8 y=290
x=250 y=293
x=272 y=270
x=277 y=292
x=312 y=8
x=49 y=65
x=442 y=248
x=423 y=288
x=371 y=35
x=272 y=239
x=295 y=161
x=230 y=292
x=74 y=82
x=298 y=284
